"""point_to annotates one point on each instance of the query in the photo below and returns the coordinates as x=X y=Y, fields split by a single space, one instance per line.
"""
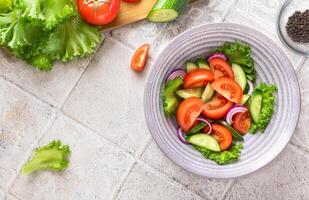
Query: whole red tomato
x=98 y=12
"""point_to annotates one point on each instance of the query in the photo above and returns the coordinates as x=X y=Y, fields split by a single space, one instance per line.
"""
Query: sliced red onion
x=233 y=111
x=217 y=55
x=181 y=136
x=202 y=119
x=250 y=87
x=176 y=73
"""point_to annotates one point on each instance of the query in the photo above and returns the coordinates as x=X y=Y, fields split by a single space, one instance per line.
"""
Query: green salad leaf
x=50 y=157
x=5 y=5
x=170 y=101
x=240 y=54
x=44 y=31
x=223 y=157
x=267 y=108
x=48 y=13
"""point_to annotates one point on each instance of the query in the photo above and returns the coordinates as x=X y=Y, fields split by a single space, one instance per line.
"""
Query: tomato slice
x=198 y=78
x=217 y=107
x=98 y=12
x=139 y=58
x=222 y=135
x=132 y=1
x=188 y=111
x=221 y=68
x=242 y=122
x=228 y=88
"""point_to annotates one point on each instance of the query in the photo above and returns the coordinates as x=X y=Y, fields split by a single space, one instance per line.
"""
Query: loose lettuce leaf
x=170 y=102
x=73 y=38
x=5 y=5
x=240 y=54
x=48 y=13
x=50 y=157
x=267 y=109
x=224 y=157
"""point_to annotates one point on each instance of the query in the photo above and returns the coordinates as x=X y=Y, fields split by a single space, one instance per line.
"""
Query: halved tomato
x=221 y=68
x=188 y=111
x=228 y=88
x=217 y=107
x=222 y=135
x=198 y=78
x=242 y=122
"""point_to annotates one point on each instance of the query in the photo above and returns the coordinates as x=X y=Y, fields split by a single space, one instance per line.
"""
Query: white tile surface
x=96 y=167
x=22 y=120
x=143 y=184
x=109 y=98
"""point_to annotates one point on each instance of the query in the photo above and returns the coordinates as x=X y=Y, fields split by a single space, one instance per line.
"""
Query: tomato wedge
x=98 y=12
x=221 y=68
x=242 y=122
x=188 y=111
x=222 y=135
x=217 y=107
x=228 y=88
x=140 y=57
x=198 y=78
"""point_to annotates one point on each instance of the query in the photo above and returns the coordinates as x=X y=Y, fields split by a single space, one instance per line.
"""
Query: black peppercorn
x=297 y=27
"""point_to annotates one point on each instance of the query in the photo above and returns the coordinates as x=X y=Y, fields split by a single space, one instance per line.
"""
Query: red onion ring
x=202 y=119
x=176 y=73
x=250 y=84
x=232 y=112
x=181 y=136
x=217 y=55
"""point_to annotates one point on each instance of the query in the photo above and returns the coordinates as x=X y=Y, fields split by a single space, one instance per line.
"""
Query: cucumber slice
x=190 y=66
x=235 y=134
x=202 y=64
x=205 y=141
x=244 y=99
x=239 y=76
x=255 y=107
x=166 y=10
x=208 y=93
x=196 y=129
x=195 y=92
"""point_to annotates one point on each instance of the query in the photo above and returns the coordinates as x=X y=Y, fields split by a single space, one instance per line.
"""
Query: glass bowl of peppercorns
x=293 y=25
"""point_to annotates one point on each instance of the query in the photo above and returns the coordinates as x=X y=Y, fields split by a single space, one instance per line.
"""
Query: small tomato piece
x=140 y=57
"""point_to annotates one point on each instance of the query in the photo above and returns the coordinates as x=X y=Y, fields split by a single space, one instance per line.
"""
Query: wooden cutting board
x=132 y=12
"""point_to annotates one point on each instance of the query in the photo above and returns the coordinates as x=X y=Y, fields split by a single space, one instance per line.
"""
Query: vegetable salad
x=215 y=102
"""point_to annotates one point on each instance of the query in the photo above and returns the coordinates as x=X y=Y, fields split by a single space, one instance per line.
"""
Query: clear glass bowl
x=287 y=10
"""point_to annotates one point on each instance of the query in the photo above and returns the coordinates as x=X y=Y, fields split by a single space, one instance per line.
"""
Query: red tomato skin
x=100 y=13
x=228 y=88
x=217 y=107
x=221 y=68
x=198 y=78
x=132 y=1
x=242 y=122
x=140 y=57
x=188 y=111
x=222 y=135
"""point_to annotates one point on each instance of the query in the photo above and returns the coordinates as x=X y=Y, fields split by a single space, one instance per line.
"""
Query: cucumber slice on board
x=204 y=140
x=195 y=92
x=255 y=107
x=208 y=93
x=239 y=76
x=190 y=66
x=166 y=10
x=202 y=64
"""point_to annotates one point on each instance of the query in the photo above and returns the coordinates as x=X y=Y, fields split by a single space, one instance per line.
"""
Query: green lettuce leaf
x=50 y=157
x=267 y=109
x=48 y=13
x=73 y=38
x=5 y=5
x=170 y=102
x=240 y=54
x=224 y=157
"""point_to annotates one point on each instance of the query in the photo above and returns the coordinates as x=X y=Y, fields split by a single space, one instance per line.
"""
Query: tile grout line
x=301 y=65
x=227 y=12
x=80 y=76
x=118 y=187
x=29 y=152
x=168 y=179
